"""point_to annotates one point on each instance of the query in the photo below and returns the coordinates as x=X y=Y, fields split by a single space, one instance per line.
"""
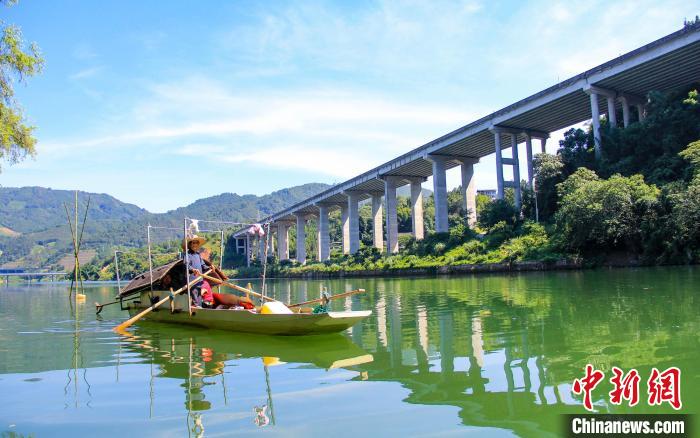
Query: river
x=489 y=355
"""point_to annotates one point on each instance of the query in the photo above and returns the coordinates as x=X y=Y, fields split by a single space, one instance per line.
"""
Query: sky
x=163 y=103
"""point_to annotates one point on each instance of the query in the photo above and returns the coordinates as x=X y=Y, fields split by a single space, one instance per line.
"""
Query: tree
x=496 y=211
x=595 y=213
x=576 y=150
x=17 y=62
x=548 y=173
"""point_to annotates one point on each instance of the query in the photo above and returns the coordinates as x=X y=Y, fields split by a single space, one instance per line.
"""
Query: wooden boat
x=248 y=321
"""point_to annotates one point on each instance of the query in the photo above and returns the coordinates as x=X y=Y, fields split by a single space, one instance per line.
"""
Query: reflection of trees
x=521 y=340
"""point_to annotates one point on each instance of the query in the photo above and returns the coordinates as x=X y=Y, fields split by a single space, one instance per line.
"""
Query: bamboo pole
x=150 y=257
x=238 y=288
x=332 y=297
x=267 y=247
x=70 y=225
x=80 y=237
x=116 y=268
x=75 y=247
x=187 y=268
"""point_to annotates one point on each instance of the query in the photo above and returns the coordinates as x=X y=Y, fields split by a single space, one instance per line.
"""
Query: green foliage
x=651 y=147
x=498 y=210
x=17 y=61
x=549 y=171
x=692 y=155
x=577 y=150
x=595 y=213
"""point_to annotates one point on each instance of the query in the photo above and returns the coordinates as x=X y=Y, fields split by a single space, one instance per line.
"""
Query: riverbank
x=437 y=270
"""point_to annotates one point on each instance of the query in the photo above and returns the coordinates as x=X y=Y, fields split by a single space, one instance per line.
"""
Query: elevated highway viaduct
x=616 y=89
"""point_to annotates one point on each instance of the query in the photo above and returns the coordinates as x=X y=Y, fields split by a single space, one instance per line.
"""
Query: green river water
x=489 y=355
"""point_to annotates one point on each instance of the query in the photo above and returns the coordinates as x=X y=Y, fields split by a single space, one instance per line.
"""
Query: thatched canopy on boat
x=174 y=270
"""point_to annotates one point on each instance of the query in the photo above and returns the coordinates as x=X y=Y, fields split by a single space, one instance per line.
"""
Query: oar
x=238 y=288
x=332 y=297
x=131 y=321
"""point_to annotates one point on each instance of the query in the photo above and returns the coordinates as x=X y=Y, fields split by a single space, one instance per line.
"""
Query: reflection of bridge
x=29 y=275
x=446 y=353
x=613 y=88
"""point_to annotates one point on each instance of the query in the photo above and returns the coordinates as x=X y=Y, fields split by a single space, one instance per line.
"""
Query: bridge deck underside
x=550 y=110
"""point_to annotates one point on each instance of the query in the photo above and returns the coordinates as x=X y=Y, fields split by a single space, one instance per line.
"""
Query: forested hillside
x=33 y=230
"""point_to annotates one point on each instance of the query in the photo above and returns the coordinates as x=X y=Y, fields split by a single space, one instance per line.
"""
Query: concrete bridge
x=29 y=275
x=617 y=88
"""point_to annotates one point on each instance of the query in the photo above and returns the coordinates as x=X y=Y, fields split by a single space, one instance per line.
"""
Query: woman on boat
x=195 y=266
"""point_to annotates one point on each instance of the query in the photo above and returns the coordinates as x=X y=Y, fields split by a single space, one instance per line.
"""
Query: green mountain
x=34 y=230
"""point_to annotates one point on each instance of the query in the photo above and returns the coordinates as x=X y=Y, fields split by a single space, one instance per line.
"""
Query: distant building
x=491 y=193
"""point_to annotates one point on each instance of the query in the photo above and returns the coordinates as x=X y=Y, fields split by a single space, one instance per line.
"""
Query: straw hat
x=193 y=238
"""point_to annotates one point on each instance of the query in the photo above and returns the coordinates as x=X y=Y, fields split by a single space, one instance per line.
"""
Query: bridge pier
x=283 y=241
x=440 y=192
x=261 y=248
x=301 y=238
x=345 y=228
x=528 y=153
x=271 y=243
x=469 y=189
x=417 y=208
x=516 y=170
x=323 y=238
x=377 y=222
x=514 y=161
x=392 y=224
x=353 y=222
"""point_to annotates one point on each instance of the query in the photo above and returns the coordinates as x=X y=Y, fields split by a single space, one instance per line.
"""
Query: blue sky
x=251 y=97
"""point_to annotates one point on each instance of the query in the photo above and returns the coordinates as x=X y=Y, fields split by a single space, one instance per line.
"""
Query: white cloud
x=84 y=51
x=85 y=73
x=348 y=131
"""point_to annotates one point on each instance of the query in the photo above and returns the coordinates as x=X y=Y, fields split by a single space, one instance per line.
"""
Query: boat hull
x=248 y=322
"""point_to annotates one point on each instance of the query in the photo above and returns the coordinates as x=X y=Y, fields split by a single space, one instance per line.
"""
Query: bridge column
x=543 y=144
x=595 y=121
x=377 y=224
x=499 y=164
x=469 y=190
x=301 y=238
x=516 y=171
x=345 y=228
x=440 y=192
x=595 y=91
x=612 y=117
x=528 y=150
x=247 y=249
x=625 y=111
x=392 y=224
x=324 y=239
x=640 y=111
x=271 y=243
x=417 y=208
x=353 y=222
x=283 y=241
x=261 y=248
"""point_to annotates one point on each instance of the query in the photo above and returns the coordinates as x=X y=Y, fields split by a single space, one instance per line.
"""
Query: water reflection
x=496 y=352
x=196 y=357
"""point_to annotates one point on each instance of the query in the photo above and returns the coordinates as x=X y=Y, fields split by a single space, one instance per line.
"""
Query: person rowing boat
x=194 y=265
